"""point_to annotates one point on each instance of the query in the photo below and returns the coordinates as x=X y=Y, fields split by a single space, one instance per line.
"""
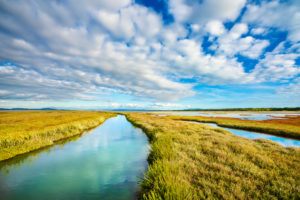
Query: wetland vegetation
x=22 y=132
x=150 y=99
x=249 y=109
x=289 y=127
x=103 y=163
x=194 y=161
x=186 y=161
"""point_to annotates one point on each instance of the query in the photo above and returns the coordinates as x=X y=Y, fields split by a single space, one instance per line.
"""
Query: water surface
x=255 y=135
x=105 y=163
x=240 y=115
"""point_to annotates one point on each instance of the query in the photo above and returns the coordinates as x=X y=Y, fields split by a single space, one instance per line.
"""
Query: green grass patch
x=194 y=161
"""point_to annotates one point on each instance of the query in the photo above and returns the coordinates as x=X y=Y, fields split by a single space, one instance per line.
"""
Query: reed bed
x=22 y=132
x=194 y=161
x=289 y=128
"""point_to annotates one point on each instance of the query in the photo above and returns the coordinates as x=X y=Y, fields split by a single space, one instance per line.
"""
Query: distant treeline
x=28 y=109
x=249 y=109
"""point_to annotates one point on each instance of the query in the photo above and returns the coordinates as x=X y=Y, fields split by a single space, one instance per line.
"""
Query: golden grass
x=280 y=127
x=22 y=132
x=194 y=161
x=289 y=119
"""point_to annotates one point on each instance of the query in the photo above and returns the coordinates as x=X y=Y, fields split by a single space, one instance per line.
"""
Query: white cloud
x=215 y=27
x=141 y=106
x=275 y=67
x=256 y=48
x=4 y=92
x=109 y=19
x=283 y=15
x=168 y=106
x=129 y=21
x=258 y=31
x=278 y=65
x=171 y=33
x=193 y=11
x=233 y=43
x=82 y=50
x=292 y=89
x=180 y=10
x=237 y=30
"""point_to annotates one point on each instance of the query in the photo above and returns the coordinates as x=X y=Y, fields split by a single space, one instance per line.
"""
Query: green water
x=105 y=163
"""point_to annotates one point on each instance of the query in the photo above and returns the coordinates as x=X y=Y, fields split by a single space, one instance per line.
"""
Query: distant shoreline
x=146 y=110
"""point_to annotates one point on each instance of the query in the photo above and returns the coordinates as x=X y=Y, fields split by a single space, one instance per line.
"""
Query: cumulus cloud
x=215 y=27
x=258 y=31
x=101 y=62
x=127 y=22
x=233 y=43
x=27 y=84
x=203 y=11
x=138 y=106
x=279 y=66
x=291 y=90
x=282 y=15
x=84 y=50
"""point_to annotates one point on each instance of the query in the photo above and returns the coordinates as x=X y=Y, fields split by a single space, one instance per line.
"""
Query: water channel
x=104 y=163
x=255 y=135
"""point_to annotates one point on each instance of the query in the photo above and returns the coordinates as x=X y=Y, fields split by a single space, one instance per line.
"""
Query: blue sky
x=160 y=54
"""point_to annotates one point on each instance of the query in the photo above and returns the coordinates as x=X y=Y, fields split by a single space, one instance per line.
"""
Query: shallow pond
x=104 y=163
x=239 y=115
x=255 y=135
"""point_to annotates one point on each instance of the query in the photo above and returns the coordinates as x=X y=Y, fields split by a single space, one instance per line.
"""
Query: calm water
x=255 y=135
x=105 y=163
x=242 y=115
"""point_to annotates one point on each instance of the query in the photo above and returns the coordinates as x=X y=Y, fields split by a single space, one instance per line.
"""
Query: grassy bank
x=289 y=128
x=22 y=132
x=194 y=161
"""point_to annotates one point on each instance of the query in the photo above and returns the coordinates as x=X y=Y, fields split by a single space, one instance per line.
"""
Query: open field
x=22 y=132
x=289 y=127
x=194 y=161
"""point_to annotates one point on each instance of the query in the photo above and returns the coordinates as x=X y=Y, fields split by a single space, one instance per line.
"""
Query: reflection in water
x=103 y=164
x=29 y=158
x=255 y=135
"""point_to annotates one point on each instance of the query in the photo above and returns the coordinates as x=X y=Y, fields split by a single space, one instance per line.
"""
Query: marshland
x=149 y=99
x=110 y=157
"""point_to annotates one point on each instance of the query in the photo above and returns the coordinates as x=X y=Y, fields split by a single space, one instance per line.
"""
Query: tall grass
x=22 y=132
x=194 y=161
x=289 y=128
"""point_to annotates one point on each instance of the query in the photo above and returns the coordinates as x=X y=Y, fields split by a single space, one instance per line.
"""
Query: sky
x=142 y=54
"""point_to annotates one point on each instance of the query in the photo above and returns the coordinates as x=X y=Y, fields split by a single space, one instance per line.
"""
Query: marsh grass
x=194 y=161
x=22 y=132
x=289 y=128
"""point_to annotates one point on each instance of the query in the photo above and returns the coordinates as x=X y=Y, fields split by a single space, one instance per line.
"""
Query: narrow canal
x=105 y=163
x=256 y=135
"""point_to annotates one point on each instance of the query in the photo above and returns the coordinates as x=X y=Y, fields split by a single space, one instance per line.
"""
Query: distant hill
x=29 y=109
x=192 y=109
